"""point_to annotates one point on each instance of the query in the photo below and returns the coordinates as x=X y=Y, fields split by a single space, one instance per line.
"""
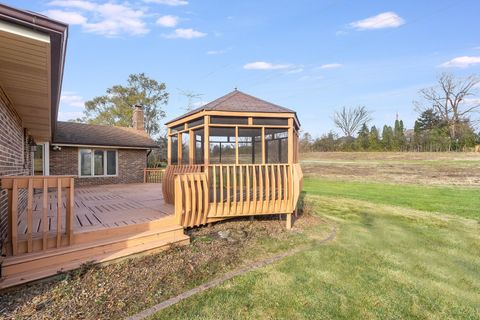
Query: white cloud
x=185 y=34
x=168 y=21
x=295 y=70
x=109 y=19
x=172 y=3
x=380 y=21
x=461 y=62
x=71 y=99
x=262 y=65
x=331 y=66
x=69 y=17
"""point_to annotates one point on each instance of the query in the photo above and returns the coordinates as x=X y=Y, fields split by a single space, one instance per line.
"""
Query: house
x=72 y=193
x=99 y=154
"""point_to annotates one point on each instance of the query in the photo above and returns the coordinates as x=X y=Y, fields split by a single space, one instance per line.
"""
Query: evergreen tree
x=387 y=138
x=373 y=140
x=363 y=138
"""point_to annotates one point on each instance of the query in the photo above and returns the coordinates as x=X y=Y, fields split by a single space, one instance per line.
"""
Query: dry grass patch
x=129 y=286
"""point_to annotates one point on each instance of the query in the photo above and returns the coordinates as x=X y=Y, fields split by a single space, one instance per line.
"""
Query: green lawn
x=462 y=201
x=387 y=261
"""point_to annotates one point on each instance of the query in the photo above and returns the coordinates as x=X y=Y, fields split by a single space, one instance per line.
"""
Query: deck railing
x=224 y=191
x=153 y=175
x=35 y=229
x=171 y=171
x=191 y=199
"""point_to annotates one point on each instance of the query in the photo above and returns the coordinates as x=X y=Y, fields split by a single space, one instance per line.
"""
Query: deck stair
x=103 y=246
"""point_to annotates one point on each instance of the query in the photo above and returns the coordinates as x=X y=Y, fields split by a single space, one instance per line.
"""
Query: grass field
x=402 y=251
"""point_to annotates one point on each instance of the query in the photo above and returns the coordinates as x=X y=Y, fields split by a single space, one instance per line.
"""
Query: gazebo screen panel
x=174 y=149
x=276 y=145
x=249 y=145
x=222 y=145
x=185 y=148
x=199 y=138
x=271 y=121
x=228 y=120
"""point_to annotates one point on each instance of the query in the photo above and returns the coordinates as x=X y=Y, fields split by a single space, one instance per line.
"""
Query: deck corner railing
x=153 y=175
x=35 y=229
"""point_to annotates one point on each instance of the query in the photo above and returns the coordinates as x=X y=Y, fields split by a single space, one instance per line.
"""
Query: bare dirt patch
x=129 y=286
x=396 y=167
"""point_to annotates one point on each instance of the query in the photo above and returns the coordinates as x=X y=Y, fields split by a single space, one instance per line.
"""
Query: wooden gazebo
x=235 y=156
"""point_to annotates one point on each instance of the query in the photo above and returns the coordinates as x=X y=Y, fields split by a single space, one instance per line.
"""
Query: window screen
x=222 y=145
x=276 y=145
x=249 y=145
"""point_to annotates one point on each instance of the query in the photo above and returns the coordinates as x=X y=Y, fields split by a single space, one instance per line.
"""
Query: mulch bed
x=131 y=285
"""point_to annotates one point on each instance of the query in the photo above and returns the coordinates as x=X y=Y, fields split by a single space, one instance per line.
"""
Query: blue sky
x=311 y=56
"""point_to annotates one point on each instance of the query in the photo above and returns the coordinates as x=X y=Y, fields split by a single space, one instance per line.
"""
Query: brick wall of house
x=131 y=163
x=15 y=156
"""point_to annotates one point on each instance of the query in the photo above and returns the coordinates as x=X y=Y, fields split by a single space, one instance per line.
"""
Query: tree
x=387 y=137
x=428 y=120
x=452 y=100
x=398 y=136
x=192 y=98
x=373 y=139
x=117 y=105
x=349 y=120
x=363 y=138
x=306 y=142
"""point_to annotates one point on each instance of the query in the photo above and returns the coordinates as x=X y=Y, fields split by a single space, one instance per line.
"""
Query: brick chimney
x=138 y=118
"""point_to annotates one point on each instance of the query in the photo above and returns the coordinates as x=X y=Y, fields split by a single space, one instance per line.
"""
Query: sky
x=313 y=56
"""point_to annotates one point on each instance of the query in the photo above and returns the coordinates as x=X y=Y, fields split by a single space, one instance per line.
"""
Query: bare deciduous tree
x=351 y=119
x=452 y=99
x=192 y=98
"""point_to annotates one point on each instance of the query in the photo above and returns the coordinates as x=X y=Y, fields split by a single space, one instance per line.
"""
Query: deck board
x=100 y=207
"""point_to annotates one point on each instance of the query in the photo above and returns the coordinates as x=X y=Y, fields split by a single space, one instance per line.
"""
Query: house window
x=94 y=162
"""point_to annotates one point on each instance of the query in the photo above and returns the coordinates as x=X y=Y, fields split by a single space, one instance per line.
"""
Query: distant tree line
x=446 y=122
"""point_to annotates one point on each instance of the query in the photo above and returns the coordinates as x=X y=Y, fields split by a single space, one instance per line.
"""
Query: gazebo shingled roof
x=238 y=101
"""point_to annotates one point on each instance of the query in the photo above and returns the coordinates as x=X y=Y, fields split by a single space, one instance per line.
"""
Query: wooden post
x=236 y=145
x=45 y=215
x=69 y=212
x=169 y=146
x=290 y=140
x=191 y=148
x=30 y=215
x=59 y=211
x=289 y=221
x=13 y=216
x=180 y=149
x=145 y=175
x=206 y=147
x=263 y=145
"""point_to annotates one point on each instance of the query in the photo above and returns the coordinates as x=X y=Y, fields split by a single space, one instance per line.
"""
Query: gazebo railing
x=227 y=190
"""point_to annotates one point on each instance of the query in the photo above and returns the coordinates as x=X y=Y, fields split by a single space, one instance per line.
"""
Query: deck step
x=29 y=267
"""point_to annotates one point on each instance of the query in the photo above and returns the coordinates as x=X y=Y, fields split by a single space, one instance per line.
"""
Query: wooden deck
x=101 y=207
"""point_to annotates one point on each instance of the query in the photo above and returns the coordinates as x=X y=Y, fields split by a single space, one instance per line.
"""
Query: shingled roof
x=238 y=101
x=99 y=135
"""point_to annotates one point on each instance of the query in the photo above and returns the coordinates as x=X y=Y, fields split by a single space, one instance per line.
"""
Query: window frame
x=92 y=163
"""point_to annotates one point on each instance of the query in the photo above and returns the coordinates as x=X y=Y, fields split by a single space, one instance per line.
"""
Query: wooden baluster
x=220 y=167
x=14 y=217
x=278 y=190
x=206 y=199
x=30 y=215
x=45 y=215
x=188 y=200
x=178 y=201
x=229 y=212
x=285 y=188
x=214 y=189
x=144 y=175
x=260 y=188
x=194 y=197
x=241 y=199
x=69 y=212
x=266 y=202
x=59 y=212
x=247 y=189
x=255 y=194
x=271 y=208
x=235 y=203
